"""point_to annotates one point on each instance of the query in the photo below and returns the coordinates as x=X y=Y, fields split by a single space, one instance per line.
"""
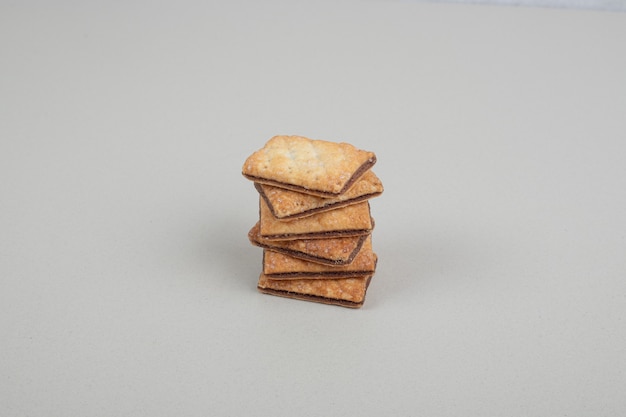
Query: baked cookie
x=331 y=251
x=281 y=266
x=352 y=220
x=345 y=292
x=287 y=204
x=318 y=167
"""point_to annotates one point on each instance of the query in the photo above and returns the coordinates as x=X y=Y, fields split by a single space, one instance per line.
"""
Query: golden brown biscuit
x=286 y=204
x=352 y=220
x=318 y=167
x=280 y=266
x=277 y=265
x=331 y=251
x=345 y=292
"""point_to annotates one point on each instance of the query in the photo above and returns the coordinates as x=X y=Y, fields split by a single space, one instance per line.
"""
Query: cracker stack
x=315 y=224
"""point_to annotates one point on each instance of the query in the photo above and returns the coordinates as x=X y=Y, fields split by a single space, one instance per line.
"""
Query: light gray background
x=606 y=5
x=128 y=286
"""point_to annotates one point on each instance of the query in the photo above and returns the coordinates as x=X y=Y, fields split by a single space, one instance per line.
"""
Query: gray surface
x=602 y=5
x=127 y=284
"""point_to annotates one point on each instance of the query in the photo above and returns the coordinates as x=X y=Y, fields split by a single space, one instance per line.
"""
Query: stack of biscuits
x=315 y=224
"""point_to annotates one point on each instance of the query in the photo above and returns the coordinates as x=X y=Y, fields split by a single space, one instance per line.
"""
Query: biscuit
x=352 y=220
x=280 y=266
x=317 y=167
x=286 y=204
x=332 y=251
x=345 y=292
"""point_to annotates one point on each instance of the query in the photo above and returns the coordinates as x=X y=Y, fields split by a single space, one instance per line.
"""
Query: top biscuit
x=317 y=167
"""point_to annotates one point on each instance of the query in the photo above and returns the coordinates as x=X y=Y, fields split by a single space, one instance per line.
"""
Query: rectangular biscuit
x=280 y=266
x=352 y=220
x=345 y=292
x=287 y=204
x=331 y=251
x=317 y=167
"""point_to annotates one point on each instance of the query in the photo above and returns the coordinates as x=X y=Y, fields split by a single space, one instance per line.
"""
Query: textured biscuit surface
x=287 y=204
x=352 y=220
x=311 y=166
x=331 y=251
x=278 y=265
x=347 y=292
